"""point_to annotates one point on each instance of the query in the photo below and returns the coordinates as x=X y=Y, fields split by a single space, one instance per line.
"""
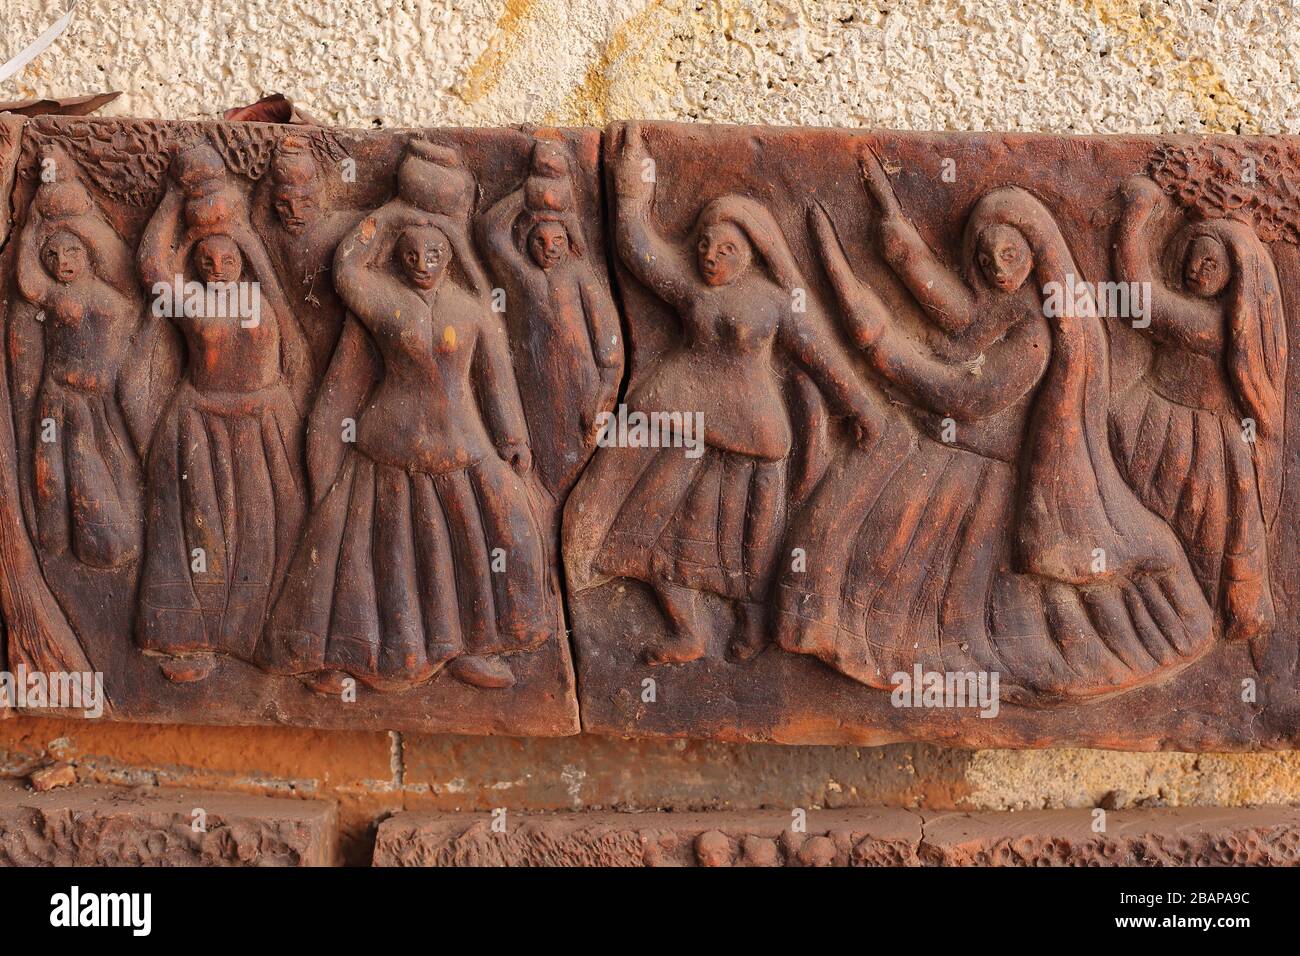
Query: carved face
x=723 y=253
x=713 y=849
x=424 y=253
x=64 y=257
x=548 y=243
x=218 y=259
x=1207 y=268
x=297 y=209
x=1004 y=257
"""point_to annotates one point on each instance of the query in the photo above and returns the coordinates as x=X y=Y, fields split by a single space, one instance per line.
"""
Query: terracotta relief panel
x=975 y=438
x=292 y=410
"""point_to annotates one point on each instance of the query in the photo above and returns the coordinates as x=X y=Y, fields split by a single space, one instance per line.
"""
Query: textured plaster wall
x=1056 y=65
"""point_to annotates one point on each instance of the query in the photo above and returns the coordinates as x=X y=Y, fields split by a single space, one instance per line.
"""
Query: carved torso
x=227 y=357
x=87 y=333
x=723 y=368
x=423 y=413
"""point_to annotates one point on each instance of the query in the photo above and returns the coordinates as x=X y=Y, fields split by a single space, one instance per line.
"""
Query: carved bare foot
x=750 y=638
x=490 y=673
x=687 y=642
x=187 y=669
x=1249 y=609
x=678 y=649
x=330 y=683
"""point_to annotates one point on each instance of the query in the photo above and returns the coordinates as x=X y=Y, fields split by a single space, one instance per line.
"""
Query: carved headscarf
x=762 y=231
x=1074 y=505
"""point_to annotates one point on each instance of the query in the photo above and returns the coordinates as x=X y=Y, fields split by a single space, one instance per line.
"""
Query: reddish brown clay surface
x=974 y=438
x=288 y=414
x=885 y=837
x=148 y=826
x=971 y=438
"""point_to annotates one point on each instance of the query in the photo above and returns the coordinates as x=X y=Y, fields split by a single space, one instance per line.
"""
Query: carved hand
x=877 y=183
x=629 y=172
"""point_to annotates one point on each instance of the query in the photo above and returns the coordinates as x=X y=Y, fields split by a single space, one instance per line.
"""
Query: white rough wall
x=1059 y=65
x=1054 y=65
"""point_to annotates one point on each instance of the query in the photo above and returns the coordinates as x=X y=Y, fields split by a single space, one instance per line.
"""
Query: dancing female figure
x=989 y=528
x=711 y=523
x=1200 y=437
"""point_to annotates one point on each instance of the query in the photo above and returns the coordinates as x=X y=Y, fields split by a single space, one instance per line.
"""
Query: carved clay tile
x=293 y=412
x=975 y=438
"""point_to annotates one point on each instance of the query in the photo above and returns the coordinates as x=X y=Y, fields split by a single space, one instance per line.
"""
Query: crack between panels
x=606 y=211
x=9 y=179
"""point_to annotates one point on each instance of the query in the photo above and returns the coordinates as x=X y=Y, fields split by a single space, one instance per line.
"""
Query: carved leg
x=1248 y=605
x=750 y=637
x=687 y=642
x=1248 y=601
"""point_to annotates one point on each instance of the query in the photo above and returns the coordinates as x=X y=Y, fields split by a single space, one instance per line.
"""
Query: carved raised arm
x=1181 y=320
x=942 y=294
x=112 y=260
x=33 y=281
x=496 y=233
x=646 y=254
x=161 y=255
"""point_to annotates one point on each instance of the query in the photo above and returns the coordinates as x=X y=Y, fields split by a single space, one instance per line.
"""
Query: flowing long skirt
x=910 y=561
x=226 y=500
x=1194 y=468
x=87 y=478
x=399 y=572
x=710 y=523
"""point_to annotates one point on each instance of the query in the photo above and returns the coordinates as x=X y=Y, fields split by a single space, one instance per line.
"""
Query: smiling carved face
x=424 y=253
x=1206 y=270
x=1004 y=257
x=217 y=259
x=547 y=244
x=722 y=254
x=64 y=257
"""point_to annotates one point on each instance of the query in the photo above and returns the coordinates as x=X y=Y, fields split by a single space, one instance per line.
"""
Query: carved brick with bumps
x=865 y=837
x=148 y=826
